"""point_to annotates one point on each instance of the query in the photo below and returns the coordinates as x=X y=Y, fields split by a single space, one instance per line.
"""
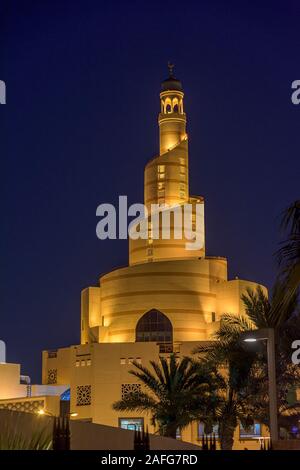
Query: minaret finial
x=171 y=67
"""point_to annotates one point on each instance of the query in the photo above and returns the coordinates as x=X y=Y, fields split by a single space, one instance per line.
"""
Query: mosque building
x=167 y=300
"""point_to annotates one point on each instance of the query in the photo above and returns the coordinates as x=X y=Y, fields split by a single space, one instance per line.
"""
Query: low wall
x=85 y=436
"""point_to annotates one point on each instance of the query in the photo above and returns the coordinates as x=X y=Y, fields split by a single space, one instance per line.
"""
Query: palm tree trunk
x=171 y=431
x=226 y=439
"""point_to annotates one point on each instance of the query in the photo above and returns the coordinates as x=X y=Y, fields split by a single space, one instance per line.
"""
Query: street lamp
x=269 y=335
x=43 y=412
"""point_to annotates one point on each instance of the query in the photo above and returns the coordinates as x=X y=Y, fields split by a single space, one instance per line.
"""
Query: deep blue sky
x=83 y=80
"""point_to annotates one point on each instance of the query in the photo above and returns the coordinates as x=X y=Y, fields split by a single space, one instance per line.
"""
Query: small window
x=161 y=186
x=161 y=168
x=182 y=170
x=122 y=361
x=182 y=194
x=201 y=428
x=251 y=432
x=161 y=193
x=181 y=161
x=161 y=176
x=213 y=316
x=83 y=363
x=139 y=360
x=132 y=424
x=52 y=354
x=182 y=186
x=88 y=362
x=150 y=252
x=130 y=360
x=77 y=363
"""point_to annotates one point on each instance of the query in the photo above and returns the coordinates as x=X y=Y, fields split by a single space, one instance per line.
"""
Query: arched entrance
x=156 y=327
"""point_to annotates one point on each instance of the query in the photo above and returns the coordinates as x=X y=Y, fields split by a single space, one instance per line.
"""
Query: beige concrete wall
x=62 y=361
x=183 y=290
x=84 y=436
x=10 y=386
x=109 y=368
x=49 y=404
x=229 y=295
x=90 y=313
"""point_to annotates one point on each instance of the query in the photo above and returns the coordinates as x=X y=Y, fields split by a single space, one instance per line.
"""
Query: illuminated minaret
x=166 y=177
x=172 y=119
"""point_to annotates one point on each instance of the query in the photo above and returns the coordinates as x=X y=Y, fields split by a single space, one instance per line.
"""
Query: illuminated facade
x=167 y=300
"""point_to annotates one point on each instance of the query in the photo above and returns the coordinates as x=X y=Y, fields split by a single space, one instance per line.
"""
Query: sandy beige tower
x=185 y=287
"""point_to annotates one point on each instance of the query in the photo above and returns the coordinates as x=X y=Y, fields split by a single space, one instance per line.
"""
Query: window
x=251 y=432
x=88 y=362
x=201 y=427
x=83 y=363
x=52 y=376
x=161 y=171
x=77 y=363
x=52 y=354
x=182 y=170
x=182 y=194
x=154 y=326
x=130 y=360
x=66 y=395
x=130 y=389
x=149 y=230
x=132 y=424
x=83 y=395
x=150 y=252
x=213 y=316
x=122 y=361
x=139 y=360
x=161 y=186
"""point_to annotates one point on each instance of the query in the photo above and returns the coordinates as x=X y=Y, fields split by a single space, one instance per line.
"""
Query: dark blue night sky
x=83 y=81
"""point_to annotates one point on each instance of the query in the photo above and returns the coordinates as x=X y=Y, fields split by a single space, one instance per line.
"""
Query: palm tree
x=289 y=261
x=176 y=393
x=246 y=396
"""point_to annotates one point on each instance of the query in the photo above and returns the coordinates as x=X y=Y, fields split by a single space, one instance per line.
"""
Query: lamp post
x=269 y=335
